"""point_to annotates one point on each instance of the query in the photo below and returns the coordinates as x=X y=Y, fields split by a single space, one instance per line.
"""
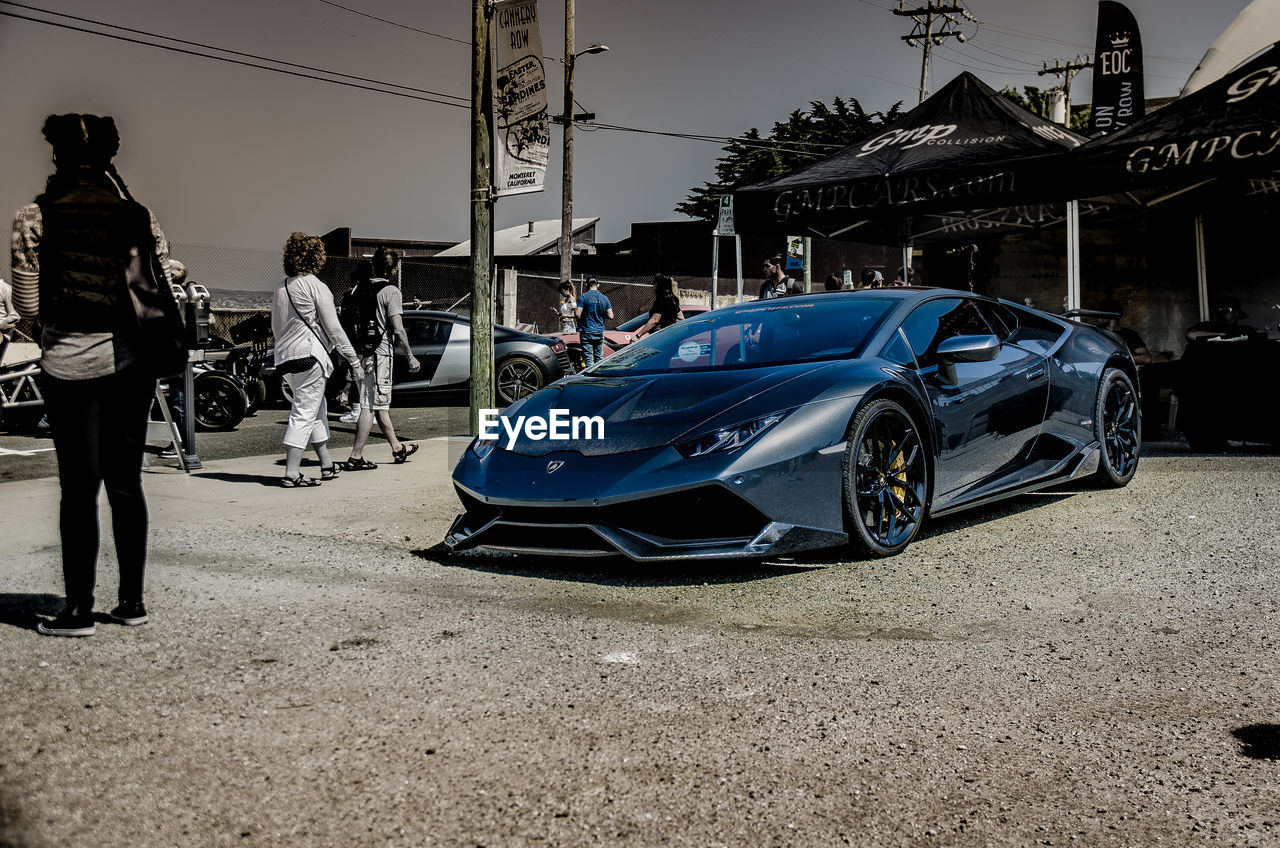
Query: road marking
x=9 y=452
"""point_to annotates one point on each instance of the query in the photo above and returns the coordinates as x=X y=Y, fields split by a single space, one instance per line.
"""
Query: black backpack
x=359 y=317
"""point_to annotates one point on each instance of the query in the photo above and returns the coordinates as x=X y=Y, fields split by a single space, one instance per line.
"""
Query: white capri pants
x=309 y=415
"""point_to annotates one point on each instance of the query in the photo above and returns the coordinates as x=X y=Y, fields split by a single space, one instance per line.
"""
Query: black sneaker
x=68 y=625
x=130 y=615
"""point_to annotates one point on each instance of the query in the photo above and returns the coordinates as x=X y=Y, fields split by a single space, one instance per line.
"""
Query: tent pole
x=715 y=265
x=1073 y=254
x=737 y=255
x=1202 y=270
x=906 y=263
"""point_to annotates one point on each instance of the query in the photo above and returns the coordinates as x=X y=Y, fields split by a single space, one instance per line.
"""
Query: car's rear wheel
x=1118 y=424
x=518 y=377
x=886 y=479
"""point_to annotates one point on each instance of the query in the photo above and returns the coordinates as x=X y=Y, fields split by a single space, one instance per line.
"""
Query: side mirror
x=969 y=349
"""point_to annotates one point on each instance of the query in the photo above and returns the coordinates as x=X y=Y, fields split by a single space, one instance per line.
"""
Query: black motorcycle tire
x=220 y=401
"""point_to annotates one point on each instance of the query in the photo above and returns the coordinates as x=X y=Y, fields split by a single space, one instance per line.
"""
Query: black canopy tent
x=967 y=160
x=1221 y=141
x=965 y=148
x=1230 y=128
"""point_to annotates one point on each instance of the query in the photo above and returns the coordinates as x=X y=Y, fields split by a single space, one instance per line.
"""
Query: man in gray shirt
x=375 y=392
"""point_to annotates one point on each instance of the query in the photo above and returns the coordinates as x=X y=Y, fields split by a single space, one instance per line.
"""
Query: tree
x=804 y=137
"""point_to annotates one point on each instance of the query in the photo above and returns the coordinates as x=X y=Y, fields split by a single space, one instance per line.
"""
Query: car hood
x=649 y=411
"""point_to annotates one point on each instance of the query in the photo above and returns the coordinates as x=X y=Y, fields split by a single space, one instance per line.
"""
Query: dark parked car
x=523 y=362
x=805 y=422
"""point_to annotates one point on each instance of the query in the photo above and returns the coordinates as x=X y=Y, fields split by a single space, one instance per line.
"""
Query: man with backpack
x=373 y=311
x=776 y=283
x=349 y=395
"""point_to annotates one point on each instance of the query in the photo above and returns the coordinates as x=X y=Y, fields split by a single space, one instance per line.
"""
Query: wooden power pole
x=481 y=213
x=566 y=179
x=923 y=34
x=1066 y=71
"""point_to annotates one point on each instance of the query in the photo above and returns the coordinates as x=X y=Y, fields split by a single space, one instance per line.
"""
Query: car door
x=986 y=415
x=428 y=337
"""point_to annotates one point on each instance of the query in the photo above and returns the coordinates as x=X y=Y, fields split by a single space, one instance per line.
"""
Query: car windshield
x=773 y=332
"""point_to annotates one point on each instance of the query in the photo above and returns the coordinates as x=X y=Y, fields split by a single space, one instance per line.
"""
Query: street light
x=566 y=201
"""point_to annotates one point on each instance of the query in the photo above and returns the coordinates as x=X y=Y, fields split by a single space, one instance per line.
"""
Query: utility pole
x=922 y=33
x=481 y=213
x=566 y=194
x=1067 y=71
x=566 y=183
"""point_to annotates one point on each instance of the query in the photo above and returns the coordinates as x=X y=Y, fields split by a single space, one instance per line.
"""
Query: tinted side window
x=1002 y=321
x=897 y=352
x=1032 y=331
x=426 y=331
x=934 y=322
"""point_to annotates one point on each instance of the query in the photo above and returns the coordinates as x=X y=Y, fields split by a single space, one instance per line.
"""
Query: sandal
x=331 y=472
x=299 y=482
x=359 y=464
x=407 y=449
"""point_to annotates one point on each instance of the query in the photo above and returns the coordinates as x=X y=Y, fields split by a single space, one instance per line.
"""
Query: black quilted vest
x=88 y=230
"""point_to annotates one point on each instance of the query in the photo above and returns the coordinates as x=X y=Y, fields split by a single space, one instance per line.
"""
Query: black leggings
x=99 y=431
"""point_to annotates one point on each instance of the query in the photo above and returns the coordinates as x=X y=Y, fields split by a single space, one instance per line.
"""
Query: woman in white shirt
x=306 y=328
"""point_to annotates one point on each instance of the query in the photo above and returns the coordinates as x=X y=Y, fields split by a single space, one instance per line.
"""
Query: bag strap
x=303 y=319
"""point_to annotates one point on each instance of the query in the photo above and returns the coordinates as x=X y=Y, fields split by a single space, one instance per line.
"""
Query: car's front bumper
x=649 y=504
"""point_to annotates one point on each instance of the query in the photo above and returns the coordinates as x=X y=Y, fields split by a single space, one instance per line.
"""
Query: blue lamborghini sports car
x=803 y=422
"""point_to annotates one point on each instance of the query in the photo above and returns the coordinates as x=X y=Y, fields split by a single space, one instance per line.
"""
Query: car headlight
x=481 y=447
x=728 y=438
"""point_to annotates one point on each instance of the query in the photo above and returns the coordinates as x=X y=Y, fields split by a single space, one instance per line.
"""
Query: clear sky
x=239 y=157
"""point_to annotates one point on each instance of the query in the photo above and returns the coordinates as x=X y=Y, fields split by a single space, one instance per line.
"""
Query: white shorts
x=309 y=415
x=375 y=391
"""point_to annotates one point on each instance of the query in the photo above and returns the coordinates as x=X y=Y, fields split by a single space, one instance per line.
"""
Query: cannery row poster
x=521 y=123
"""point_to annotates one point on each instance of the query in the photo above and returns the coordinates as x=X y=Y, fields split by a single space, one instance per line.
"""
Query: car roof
x=466 y=319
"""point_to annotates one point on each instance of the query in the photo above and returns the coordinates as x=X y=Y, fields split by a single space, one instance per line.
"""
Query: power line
x=988 y=65
x=761 y=144
x=409 y=92
x=806 y=56
x=749 y=143
x=409 y=27
x=467 y=42
x=973 y=43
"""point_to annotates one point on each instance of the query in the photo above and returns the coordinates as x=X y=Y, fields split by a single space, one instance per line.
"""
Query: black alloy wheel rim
x=518 y=379
x=1120 y=428
x=215 y=405
x=890 y=480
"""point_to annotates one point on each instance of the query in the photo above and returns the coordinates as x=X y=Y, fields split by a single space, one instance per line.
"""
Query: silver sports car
x=802 y=422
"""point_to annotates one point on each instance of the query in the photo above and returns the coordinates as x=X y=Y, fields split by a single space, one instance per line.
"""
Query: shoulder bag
x=160 y=335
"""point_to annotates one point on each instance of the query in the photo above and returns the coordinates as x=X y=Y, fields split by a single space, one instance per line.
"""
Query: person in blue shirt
x=593 y=308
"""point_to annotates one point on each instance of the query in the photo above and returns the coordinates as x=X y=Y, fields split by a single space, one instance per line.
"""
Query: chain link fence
x=240 y=281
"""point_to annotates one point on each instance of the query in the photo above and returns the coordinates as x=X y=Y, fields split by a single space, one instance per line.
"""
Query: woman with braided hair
x=69 y=252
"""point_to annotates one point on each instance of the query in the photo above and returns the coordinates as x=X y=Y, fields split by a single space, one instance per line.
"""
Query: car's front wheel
x=1118 y=423
x=220 y=403
x=886 y=479
x=518 y=376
